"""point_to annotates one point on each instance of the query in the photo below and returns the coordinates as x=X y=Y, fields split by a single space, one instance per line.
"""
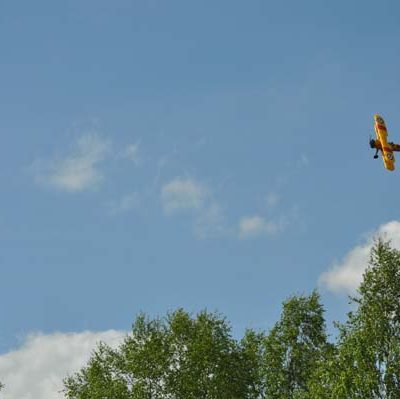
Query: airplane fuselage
x=377 y=144
x=381 y=144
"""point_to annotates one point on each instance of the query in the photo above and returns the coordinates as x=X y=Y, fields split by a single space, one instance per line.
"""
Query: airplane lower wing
x=388 y=159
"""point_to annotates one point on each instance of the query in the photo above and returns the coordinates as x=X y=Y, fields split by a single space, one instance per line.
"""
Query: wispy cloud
x=257 y=226
x=209 y=217
x=126 y=203
x=190 y=195
x=77 y=171
x=37 y=368
x=132 y=153
x=183 y=194
x=346 y=275
x=272 y=200
x=210 y=222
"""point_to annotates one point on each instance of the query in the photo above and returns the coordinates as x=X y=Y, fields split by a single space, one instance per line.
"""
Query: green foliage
x=179 y=357
x=186 y=357
x=252 y=352
x=366 y=362
x=206 y=361
x=294 y=347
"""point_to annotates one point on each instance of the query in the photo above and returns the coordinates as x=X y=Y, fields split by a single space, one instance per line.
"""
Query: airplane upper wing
x=381 y=134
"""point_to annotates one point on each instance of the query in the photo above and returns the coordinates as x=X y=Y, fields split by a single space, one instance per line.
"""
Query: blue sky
x=212 y=154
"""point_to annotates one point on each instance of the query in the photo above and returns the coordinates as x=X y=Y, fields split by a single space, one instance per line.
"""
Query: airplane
x=381 y=143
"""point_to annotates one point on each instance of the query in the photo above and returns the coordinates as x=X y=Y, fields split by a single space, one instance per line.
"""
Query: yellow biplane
x=381 y=143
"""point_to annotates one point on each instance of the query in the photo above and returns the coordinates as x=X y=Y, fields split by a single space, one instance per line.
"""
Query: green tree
x=367 y=361
x=207 y=361
x=252 y=352
x=178 y=357
x=293 y=348
x=136 y=370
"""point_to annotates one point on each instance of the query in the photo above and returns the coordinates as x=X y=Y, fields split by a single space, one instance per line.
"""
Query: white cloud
x=37 y=368
x=346 y=275
x=183 y=194
x=186 y=194
x=256 y=226
x=209 y=216
x=251 y=226
x=76 y=172
x=131 y=152
x=125 y=204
